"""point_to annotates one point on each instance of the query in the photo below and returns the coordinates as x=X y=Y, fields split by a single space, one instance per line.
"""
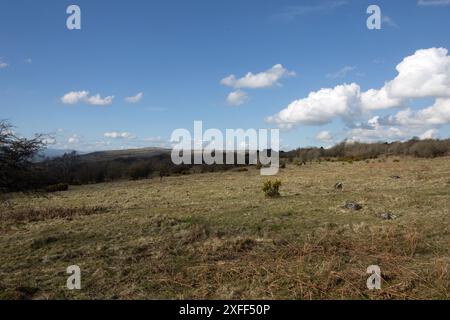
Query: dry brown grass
x=42 y=214
x=217 y=236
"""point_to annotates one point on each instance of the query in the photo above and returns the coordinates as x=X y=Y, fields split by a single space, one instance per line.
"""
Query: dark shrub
x=139 y=170
x=57 y=187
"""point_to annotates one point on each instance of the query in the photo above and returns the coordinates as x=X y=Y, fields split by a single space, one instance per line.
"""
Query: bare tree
x=16 y=155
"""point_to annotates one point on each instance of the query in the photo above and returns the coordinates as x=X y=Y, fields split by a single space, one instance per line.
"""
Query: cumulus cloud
x=97 y=100
x=268 y=78
x=376 y=134
x=236 y=98
x=135 y=99
x=320 y=107
x=435 y=115
x=118 y=135
x=75 y=97
x=424 y=74
x=374 y=99
x=377 y=129
x=386 y=129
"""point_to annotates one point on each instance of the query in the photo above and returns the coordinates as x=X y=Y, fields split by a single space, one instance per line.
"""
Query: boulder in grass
x=339 y=186
x=352 y=206
x=388 y=216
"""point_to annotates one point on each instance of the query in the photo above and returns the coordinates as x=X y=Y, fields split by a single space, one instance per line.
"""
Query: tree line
x=19 y=171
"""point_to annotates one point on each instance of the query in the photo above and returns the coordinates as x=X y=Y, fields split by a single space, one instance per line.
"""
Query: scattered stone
x=339 y=186
x=352 y=206
x=395 y=177
x=388 y=216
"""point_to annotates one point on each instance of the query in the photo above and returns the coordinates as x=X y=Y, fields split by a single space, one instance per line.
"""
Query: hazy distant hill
x=143 y=153
x=52 y=153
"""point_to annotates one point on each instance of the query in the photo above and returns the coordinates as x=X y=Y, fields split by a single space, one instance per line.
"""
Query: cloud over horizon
x=425 y=74
x=118 y=135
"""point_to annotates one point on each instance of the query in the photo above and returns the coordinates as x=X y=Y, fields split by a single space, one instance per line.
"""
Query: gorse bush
x=272 y=188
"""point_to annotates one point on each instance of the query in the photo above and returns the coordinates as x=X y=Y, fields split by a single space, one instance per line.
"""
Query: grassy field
x=216 y=235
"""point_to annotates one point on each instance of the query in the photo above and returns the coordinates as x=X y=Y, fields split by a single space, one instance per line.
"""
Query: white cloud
x=236 y=98
x=28 y=60
x=429 y=134
x=3 y=64
x=268 y=78
x=433 y=2
x=135 y=99
x=378 y=129
x=97 y=100
x=389 y=21
x=380 y=133
x=320 y=107
x=75 y=97
x=153 y=139
x=118 y=135
x=73 y=139
x=374 y=131
x=424 y=74
x=324 y=136
x=435 y=115
x=341 y=73
x=373 y=99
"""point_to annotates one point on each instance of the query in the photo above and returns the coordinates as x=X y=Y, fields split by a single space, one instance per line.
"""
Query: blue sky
x=176 y=53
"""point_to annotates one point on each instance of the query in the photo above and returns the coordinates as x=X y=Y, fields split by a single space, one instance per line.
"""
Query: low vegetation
x=57 y=187
x=272 y=188
x=216 y=235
